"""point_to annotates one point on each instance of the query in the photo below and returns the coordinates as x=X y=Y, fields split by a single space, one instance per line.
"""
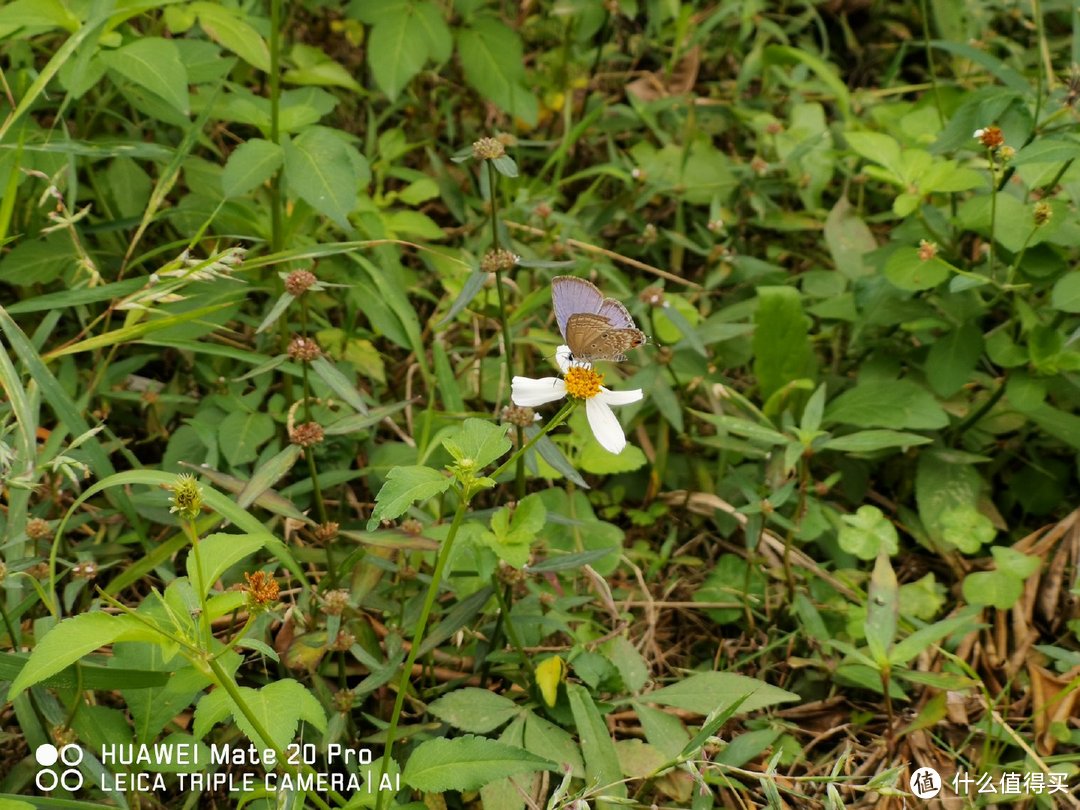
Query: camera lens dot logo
x=925 y=783
x=46 y=755
x=70 y=779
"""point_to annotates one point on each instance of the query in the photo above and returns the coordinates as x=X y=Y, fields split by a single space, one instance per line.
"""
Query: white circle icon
x=925 y=783
x=46 y=755
x=71 y=754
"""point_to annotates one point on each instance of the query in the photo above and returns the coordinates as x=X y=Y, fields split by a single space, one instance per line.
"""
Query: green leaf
x=320 y=169
x=998 y=589
x=492 y=57
x=706 y=692
x=869 y=441
x=395 y=52
x=240 y=435
x=966 y=528
x=218 y=553
x=941 y=487
x=906 y=271
x=848 y=239
x=234 y=33
x=403 y=487
x=153 y=63
x=73 y=638
x=467 y=763
x=782 y=351
x=478 y=440
x=37 y=261
x=475 y=710
x=867 y=533
x=882 y=609
x=279 y=707
x=597 y=748
x=250 y=165
x=1047 y=150
x=922 y=638
x=1066 y=293
x=896 y=404
x=1015 y=562
x=952 y=359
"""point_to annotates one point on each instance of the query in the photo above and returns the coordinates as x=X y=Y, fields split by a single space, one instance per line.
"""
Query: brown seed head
x=298 y=282
x=500 y=259
x=412 y=526
x=927 y=250
x=38 y=529
x=488 y=149
x=652 y=296
x=85 y=570
x=303 y=349
x=1042 y=213
x=518 y=415
x=307 y=434
x=335 y=602
x=325 y=532
x=991 y=137
x=343 y=642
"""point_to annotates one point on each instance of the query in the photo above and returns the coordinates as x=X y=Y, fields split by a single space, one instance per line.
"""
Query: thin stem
x=276 y=235
x=925 y=14
x=511 y=631
x=200 y=586
x=993 y=211
x=418 y=635
x=557 y=420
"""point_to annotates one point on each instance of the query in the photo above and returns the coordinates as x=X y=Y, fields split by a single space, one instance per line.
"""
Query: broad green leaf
x=250 y=165
x=1047 y=150
x=37 y=261
x=279 y=707
x=966 y=528
x=896 y=404
x=476 y=710
x=232 y=31
x=1066 y=293
x=73 y=638
x=218 y=553
x=395 y=51
x=917 y=642
x=941 y=487
x=869 y=441
x=492 y=57
x=867 y=533
x=597 y=748
x=952 y=359
x=998 y=589
x=705 y=692
x=466 y=763
x=548 y=740
x=625 y=656
x=1015 y=562
x=848 y=239
x=320 y=169
x=153 y=63
x=404 y=486
x=782 y=351
x=479 y=441
x=241 y=434
x=909 y=272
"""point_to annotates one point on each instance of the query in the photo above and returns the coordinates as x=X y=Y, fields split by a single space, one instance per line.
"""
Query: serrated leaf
x=153 y=63
x=475 y=710
x=467 y=763
x=278 y=706
x=404 y=486
x=250 y=165
x=705 y=692
x=601 y=759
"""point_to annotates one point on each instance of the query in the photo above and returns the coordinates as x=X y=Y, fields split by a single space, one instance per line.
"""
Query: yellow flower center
x=583 y=383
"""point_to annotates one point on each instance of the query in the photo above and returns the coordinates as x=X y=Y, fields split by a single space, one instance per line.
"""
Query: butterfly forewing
x=570 y=295
x=591 y=337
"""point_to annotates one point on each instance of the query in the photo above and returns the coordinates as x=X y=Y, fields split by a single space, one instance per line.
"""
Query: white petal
x=609 y=397
x=563 y=358
x=605 y=426
x=529 y=393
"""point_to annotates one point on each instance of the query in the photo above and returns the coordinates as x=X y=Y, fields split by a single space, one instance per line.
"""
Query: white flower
x=581 y=382
x=978 y=133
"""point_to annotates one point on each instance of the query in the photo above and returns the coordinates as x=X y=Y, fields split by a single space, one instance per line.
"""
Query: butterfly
x=594 y=327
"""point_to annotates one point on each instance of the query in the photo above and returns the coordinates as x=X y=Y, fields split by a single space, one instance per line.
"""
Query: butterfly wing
x=571 y=295
x=592 y=337
x=618 y=316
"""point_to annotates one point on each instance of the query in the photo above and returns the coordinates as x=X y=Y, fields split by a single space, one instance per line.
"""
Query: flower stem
x=418 y=635
x=519 y=454
x=200 y=586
